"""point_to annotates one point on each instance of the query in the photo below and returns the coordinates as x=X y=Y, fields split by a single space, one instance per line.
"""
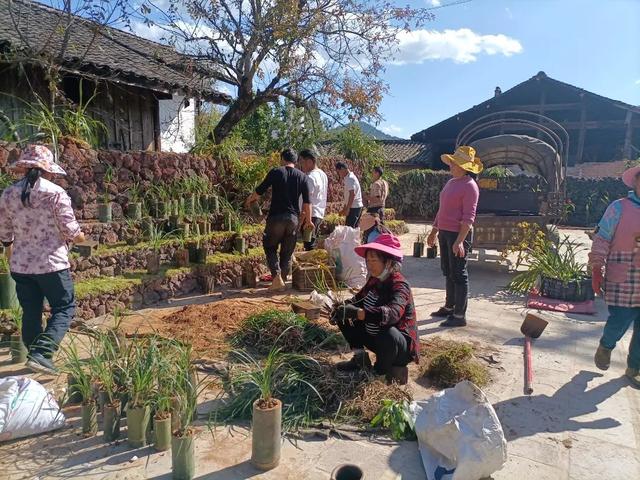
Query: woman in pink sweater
x=452 y=226
x=615 y=261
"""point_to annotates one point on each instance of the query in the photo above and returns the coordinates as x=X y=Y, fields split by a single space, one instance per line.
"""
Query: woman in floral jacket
x=37 y=224
x=381 y=316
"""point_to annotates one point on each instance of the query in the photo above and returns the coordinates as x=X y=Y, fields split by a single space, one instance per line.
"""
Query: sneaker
x=453 y=321
x=38 y=364
x=633 y=374
x=359 y=361
x=399 y=375
x=443 y=312
x=277 y=284
x=602 y=358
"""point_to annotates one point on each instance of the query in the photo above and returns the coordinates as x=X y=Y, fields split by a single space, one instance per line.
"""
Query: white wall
x=177 y=124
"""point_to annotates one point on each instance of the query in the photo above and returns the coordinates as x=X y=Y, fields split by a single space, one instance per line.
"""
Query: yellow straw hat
x=465 y=158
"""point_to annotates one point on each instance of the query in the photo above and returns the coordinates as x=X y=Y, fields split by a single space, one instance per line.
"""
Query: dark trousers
x=454 y=268
x=378 y=210
x=390 y=345
x=281 y=231
x=353 y=217
x=620 y=319
x=314 y=239
x=32 y=289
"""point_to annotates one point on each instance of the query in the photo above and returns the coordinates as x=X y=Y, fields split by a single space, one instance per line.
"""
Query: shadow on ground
x=526 y=416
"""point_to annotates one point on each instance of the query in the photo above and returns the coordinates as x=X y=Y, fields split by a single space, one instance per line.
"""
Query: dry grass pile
x=209 y=328
x=446 y=362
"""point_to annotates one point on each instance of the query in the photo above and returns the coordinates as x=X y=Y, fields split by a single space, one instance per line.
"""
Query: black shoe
x=399 y=375
x=359 y=361
x=443 y=312
x=38 y=364
x=453 y=321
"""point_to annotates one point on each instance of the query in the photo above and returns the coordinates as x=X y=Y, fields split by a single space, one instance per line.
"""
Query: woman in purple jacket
x=452 y=226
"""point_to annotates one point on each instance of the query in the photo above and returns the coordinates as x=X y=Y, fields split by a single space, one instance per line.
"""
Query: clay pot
x=111 y=422
x=162 y=430
x=137 y=423
x=183 y=463
x=89 y=418
x=266 y=426
x=18 y=349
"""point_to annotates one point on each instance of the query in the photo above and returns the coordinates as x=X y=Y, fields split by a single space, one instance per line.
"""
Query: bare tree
x=326 y=53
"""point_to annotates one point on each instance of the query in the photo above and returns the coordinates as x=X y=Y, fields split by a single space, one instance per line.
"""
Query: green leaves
x=396 y=417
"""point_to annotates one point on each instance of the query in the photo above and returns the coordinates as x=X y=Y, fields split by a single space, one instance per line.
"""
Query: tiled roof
x=396 y=152
x=598 y=170
x=101 y=52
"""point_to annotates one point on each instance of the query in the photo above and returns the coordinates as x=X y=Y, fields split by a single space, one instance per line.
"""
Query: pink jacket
x=616 y=246
x=458 y=203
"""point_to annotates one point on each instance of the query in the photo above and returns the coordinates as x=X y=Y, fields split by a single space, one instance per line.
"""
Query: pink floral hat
x=385 y=243
x=38 y=156
x=629 y=177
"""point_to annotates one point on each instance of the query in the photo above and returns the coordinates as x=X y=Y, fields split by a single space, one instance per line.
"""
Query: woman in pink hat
x=615 y=261
x=37 y=224
x=381 y=317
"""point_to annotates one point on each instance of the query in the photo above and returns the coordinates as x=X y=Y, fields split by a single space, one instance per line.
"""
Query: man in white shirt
x=319 y=184
x=352 y=195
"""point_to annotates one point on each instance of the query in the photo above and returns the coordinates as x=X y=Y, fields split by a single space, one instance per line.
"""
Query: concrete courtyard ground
x=578 y=424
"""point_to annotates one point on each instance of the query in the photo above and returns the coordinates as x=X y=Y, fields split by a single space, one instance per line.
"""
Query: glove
x=344 y=312
x=596 y=280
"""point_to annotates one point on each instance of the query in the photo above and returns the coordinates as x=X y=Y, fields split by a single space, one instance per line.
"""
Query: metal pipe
x=528 y=366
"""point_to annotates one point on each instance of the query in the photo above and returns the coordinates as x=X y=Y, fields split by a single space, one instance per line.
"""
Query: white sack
x=459 y=434
x=26 y=408
x=350 y=268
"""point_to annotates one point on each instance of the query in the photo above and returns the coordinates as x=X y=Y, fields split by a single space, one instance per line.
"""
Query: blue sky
x=593 y=44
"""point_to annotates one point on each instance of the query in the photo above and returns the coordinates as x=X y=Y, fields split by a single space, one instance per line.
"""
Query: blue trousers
x=620 y=319
x=32 y=289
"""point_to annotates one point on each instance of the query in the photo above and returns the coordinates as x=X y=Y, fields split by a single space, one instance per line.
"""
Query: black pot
x=418 y=249
x=573 y=291
x=432 y=252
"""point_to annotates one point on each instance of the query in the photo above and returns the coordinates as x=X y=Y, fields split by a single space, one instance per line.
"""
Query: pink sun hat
x=38 y=156
x=385 y=243
x=629 y=176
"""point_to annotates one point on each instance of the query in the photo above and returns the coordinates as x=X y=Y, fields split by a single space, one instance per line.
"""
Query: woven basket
x=304 y=277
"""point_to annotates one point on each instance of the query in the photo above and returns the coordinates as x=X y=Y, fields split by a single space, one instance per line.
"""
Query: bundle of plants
x=369 y=397
x=552 y=259
x=287 y=377
x=295 y=333
x=454 y=363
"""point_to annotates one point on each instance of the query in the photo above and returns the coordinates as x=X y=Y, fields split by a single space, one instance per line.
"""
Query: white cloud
x=391 y=129
x=461 y=46
x=435 y=3
x=637 y=82
x=150 y=32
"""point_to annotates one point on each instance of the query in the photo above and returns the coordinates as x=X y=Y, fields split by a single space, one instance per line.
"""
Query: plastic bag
x=459 y=434
x=321 y=300
x=350 y=267
x=26 y=408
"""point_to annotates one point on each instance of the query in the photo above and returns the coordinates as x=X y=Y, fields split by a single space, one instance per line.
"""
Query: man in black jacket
x=287 y=185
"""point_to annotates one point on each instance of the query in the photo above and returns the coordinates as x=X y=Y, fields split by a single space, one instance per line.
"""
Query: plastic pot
x=137 y=423
x=175 y=414
x=181 y=257
x=239 y=245
x=307 y=234
x=190 y=204
x=111 y=422
x=266 y=425
x=208 y=284
x=432 y=252
x=103 y=398
x=153 y=263
x=74 y=396
x=162 y=429
x=418 y=249
x=256 y=211
x=347 y=472
x=573 y=291
x=104 y=212
x=18 y=349
x=214 y=204
x=89 y=418
x=134 y=211
x=183 y=462
x=147 y=226
x=8 y=297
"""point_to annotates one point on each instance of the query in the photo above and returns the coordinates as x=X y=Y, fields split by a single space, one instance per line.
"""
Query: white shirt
x=351 y=183
x=318 y=194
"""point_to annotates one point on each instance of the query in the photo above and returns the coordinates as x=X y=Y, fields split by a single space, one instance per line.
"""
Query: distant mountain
x=368 y=130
